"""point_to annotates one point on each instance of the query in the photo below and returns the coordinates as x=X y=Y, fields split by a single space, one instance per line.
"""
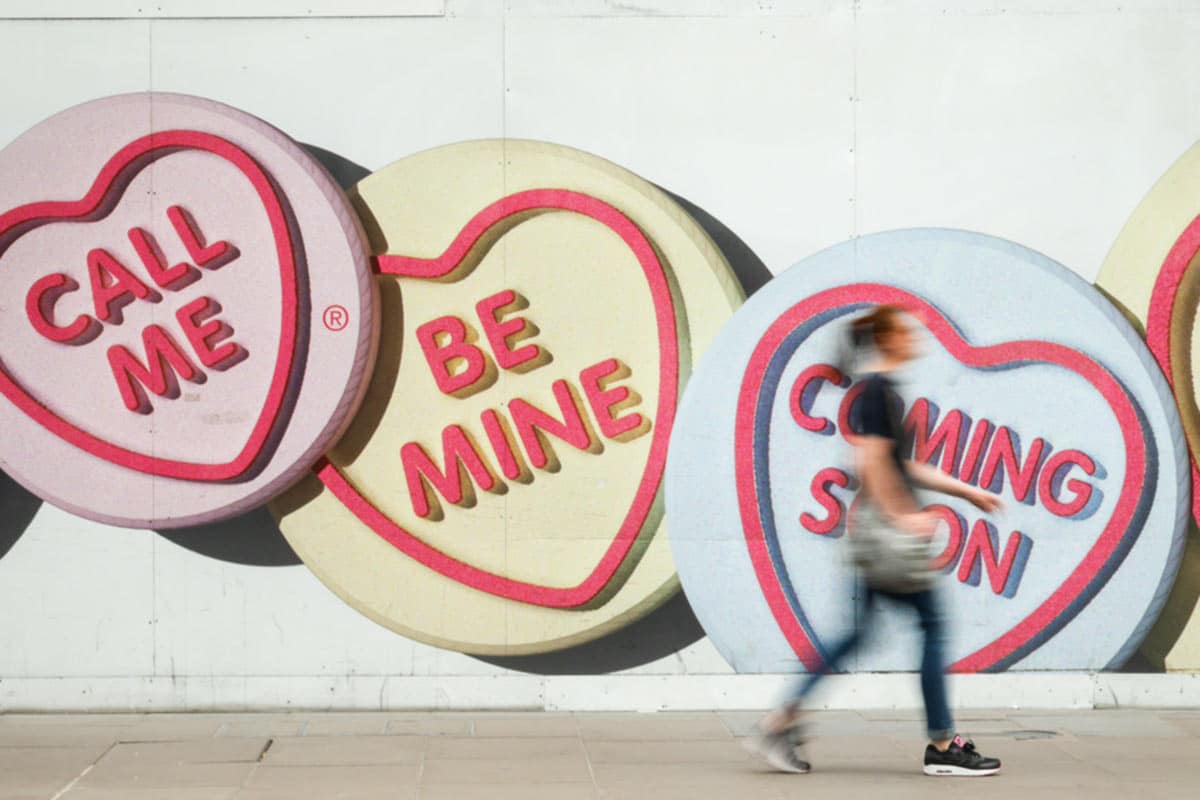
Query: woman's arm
x=884 y=484
x=933 y=478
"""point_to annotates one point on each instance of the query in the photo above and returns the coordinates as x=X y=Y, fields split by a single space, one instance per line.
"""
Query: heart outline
x=446 y=263
x=1066 y=601
x=97 y=203
x=1160 y=317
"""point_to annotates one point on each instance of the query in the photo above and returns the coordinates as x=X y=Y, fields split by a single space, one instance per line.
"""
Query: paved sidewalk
x=1145 y=755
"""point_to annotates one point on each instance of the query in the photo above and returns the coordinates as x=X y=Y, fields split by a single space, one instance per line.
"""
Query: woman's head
x=886 y=328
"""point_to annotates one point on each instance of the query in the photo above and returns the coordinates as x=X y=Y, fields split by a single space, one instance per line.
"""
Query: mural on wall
x=1151 y=271
x=192 y=320
x=1032 y=385
x=499 y=492
x=459 y=389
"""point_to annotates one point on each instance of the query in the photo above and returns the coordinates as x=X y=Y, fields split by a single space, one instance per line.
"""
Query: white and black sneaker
x=960 y=759
x=779 y=750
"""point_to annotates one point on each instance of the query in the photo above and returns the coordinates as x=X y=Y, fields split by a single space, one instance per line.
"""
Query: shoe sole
x=947 y=771
x=785 y=766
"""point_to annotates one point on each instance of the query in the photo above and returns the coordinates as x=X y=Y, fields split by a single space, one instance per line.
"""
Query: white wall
x=797 y=124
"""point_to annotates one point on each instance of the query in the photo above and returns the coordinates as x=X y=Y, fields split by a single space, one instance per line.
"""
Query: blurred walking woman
x=889 y=537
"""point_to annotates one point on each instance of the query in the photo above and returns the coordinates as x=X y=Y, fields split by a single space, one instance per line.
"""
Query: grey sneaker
x=779 y=751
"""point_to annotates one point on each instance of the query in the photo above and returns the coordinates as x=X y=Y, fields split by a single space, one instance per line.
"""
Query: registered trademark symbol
x=336 y=317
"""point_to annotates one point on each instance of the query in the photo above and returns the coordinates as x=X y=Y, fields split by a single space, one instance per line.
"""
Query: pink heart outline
x=1063 y=600
x=103 y=195
x=484 y=580
x=1162 y=312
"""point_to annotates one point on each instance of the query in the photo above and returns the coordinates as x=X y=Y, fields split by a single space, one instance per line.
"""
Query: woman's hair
x=870 y=328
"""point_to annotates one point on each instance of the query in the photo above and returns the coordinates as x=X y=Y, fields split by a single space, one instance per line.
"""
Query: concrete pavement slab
x=264 y=725
x=552 y=724
x=126 y=793
x=42 y=771
x=61 y=736
x=345 y=750
x=1101 y=723
x=536 y=791
x=343 y=782
x=1189 y=725
x=197 y=751
x=1105 y=755
x=347 y=724
x=425 y=724
x=546 y=769
x=165 y=775
x=173 y=727
x=656 y=752
x=638 y=727
x=517 y=747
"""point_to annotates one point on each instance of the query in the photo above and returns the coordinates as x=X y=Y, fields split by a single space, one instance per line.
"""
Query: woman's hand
x=933 y=478
x=984 y=500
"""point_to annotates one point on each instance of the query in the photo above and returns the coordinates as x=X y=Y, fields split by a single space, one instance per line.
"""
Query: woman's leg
x=933 y=676
x=782 y=717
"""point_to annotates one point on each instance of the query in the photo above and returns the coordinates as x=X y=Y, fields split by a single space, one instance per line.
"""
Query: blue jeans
x=933 y=680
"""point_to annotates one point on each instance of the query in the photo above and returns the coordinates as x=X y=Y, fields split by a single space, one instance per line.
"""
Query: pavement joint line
x=587 y=756
x=421 y=763
x=84 y=772
x=246 y=781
